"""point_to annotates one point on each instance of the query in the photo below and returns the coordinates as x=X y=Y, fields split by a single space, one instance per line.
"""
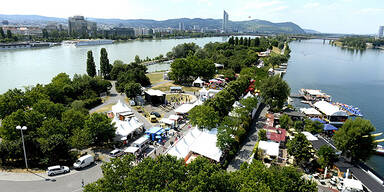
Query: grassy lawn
x=166 y=87
x=155 y=77
x=105 y=108
x=276 y=50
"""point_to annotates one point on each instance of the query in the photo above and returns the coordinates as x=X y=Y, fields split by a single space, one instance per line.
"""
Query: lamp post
x=22 y=137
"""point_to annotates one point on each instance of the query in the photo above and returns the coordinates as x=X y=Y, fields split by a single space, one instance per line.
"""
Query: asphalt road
x=70 y=182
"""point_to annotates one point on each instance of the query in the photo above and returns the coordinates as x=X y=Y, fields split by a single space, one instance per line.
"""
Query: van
x=141 y=144
x=84 y=161
x=153 y=118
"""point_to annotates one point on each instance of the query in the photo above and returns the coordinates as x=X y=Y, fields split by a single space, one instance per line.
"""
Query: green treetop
x=91 y=66
x=354 y=139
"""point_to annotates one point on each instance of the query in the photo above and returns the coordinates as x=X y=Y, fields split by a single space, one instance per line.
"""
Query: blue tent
x=318 y=119
x=329 y=127
x=153 y=130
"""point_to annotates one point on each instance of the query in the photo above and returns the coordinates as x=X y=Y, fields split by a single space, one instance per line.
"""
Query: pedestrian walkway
x=245 y=153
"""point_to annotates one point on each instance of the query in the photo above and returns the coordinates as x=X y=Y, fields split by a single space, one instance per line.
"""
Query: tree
x=49 y=109
x=298 y=125
x=231 y=40
x=241 y=41
x=285 y=121
x=45 y=33
x=262 y=135
x=91 y=66
x=300 y=148
x=229 y=74
x=81 y=138
x=11 y=101
x=205 y=117
x=354 y=139
x=2 y=33
x=137 y=59
x=245 y=43
x=313 y=127
x=275 y=91
x=327 y=156
x=9 y=34
x=132 y=89
x=105 y=66
x=236 y=41
x=257 y=42
x=101 y=128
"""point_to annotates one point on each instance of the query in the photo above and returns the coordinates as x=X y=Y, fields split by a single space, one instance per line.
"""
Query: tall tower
x=381 y=32
x=225 y=22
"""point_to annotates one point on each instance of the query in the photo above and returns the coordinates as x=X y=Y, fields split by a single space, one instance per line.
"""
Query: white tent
x=310 y=111
x=120 y=107
x=249 y=94
x=329 y=109
x=198 y=82
x=352 y=185
x=203 y=92
x=125 y=128
x=270 y=148
x=218 y=65
x=153 y=92
x=131 y=150
x=198 y=141
x=309 y=136
x=185 y=108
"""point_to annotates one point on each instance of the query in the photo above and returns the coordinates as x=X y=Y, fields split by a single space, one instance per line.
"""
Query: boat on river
x=379 y=150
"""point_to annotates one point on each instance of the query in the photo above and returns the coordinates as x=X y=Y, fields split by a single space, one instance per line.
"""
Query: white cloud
x=311 y=5
x=372 y=11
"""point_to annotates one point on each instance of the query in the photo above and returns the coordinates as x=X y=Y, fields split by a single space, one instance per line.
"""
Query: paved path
x=29 y=182
x=245 y=153
x=113 y=97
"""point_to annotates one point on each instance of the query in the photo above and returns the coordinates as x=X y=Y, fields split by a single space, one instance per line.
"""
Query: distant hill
x=255 y=25
x=310 y=31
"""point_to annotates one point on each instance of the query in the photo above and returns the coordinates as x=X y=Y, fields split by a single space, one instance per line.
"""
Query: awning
x=329 y=127
x=318 y=119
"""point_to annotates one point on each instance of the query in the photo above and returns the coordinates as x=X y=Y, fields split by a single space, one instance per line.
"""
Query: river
x=25 y=67
x=351 y=77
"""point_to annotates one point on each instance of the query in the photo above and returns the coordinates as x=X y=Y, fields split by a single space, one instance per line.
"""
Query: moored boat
x=379 y=150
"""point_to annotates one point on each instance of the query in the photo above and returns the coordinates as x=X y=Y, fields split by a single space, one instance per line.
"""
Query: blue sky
x=338 y=16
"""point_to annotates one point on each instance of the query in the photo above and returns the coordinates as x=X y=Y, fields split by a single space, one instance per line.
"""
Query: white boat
x=379 y=150
x=94 y=42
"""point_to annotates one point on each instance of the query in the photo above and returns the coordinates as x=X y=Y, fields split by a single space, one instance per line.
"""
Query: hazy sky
x=339 y=16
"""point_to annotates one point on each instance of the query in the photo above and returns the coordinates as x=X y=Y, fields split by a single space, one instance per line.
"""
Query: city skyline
x=324 y=16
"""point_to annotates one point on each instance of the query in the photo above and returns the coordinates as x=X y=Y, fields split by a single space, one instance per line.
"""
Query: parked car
x=84 y=161
x=116 y=153
x=155 y=114
x=153 y=118
x=55 y=170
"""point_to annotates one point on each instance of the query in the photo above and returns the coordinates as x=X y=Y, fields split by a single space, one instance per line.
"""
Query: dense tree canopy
x=275 y=91
x=300 y=148
x=166 y=173
x=205 y=117
x=54 y=125
x=327 y=156
x=354 y=139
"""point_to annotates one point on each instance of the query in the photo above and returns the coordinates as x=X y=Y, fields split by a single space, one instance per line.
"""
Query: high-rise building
x=181 y=26
x=225 y=23
x=80 y=27
x=381 y=32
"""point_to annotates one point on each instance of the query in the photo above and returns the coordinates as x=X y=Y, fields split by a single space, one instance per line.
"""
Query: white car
x=55 y=170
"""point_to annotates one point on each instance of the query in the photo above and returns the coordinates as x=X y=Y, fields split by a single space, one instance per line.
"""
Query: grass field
x=155 y=77
x=166 y=87
x=276 y=50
